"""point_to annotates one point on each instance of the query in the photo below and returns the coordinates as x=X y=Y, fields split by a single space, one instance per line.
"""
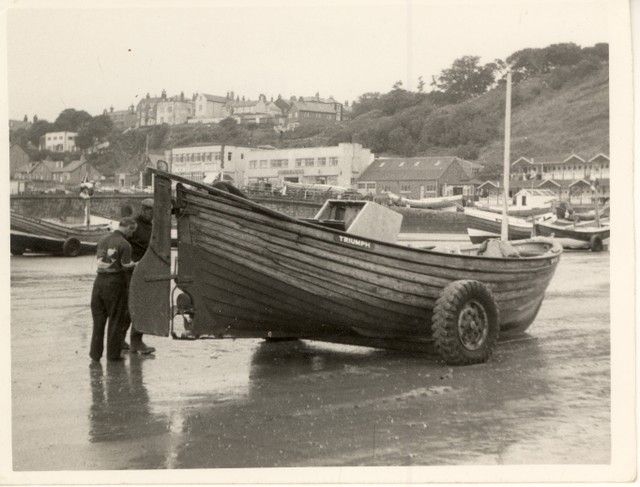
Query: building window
x=308 y=162
x=264 y=164
x=333 y=161
x=253 y=164
x=362 y=186
x=405 y=188
x=386 y=188
x=299 y=162
x=322 y=161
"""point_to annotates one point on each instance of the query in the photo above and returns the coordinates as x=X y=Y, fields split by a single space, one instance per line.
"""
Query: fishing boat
x=443 y=203
x=576 y=235
x=37 y=235
x=245 y=271
x=483 y=225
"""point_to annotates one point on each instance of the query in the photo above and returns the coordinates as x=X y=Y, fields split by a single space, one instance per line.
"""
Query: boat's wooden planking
x=52 y=230
x=253 y=272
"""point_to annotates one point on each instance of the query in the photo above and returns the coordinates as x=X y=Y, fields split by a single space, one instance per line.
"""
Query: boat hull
x=574 y=236
x=30 y=234
x=483 y=225
x=253 y=272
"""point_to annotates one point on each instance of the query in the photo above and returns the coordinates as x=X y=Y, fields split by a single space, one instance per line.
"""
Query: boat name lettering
x=354 y=241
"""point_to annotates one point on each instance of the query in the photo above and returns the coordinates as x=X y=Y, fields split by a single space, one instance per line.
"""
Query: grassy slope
x=556 y=123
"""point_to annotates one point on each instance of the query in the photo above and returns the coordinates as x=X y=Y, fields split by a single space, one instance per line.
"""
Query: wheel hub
x=473 y=325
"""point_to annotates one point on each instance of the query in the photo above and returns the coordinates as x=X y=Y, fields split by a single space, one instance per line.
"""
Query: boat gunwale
x=554 y=251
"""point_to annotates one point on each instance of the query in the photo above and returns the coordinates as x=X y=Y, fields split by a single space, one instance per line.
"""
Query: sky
x=71 y=54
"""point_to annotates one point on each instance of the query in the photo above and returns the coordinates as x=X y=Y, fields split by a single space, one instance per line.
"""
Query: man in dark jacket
x=139 y=241
x=109 y=295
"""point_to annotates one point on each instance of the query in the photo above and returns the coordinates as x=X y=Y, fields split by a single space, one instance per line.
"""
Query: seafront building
x=420 y=177
x=197 y=162
x=571 y=179
x=339 y=165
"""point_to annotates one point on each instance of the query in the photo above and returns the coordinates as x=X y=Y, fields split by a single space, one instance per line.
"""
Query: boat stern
x=150 y=287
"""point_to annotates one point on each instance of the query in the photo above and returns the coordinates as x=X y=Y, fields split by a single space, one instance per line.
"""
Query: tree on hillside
x=93 y=131
x=366 y=103
x=37 y=130
x=465 y=79
x=70 y=120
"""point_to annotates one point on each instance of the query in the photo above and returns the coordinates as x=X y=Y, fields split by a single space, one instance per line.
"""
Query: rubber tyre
x=16 y=250
x=595 y=244
x=71 y=247
x=455 y=331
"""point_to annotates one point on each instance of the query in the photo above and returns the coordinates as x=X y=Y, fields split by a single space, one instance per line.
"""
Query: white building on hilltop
x=59 y=141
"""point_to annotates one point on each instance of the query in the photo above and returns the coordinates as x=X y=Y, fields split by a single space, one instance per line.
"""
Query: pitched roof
x=408 y=168
x=243 y=103
x=219 y=99
x=282 y=104
x=28 y=167
x=314 y=106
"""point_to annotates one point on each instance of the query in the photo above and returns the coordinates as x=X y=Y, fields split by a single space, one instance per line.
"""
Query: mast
x=504 y=235
x=222 y=162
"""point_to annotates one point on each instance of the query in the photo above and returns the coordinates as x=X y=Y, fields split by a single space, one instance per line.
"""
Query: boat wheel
x=595 y=244
x=465 y=323
x=473 y=325
x=17 y=250
x=71 y=247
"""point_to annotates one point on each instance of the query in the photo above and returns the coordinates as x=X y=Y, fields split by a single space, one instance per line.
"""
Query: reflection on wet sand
x=120 y=407
x=316 y=405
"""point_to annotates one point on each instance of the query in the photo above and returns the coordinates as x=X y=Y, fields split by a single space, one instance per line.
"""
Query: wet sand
x=544 y=398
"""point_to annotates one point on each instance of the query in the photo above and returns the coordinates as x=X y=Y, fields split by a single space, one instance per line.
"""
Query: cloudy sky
x=75 y=55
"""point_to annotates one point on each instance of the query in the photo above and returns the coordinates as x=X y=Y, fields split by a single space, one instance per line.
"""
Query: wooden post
x=504 y=235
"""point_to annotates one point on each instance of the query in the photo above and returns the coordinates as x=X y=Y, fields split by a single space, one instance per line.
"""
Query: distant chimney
x=182 y=96
x=164 y=95
x=25 y=119
x=231 y=95
x=111 y=109
x=148 y=95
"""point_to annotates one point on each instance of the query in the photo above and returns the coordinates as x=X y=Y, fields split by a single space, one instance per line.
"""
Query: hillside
x=560 y=105
x=552 y=124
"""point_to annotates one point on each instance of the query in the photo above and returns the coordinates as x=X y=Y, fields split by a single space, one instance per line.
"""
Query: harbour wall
x=71 y=208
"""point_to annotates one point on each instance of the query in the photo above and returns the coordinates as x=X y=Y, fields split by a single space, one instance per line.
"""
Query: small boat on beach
x=483 y=225
x=590 y=235
x=442 y=203
x=36 y=235
x=246 y=271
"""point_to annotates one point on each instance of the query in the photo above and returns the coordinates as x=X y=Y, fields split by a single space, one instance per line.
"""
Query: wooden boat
x=572 y=235
x=517 y=211
x=35 y=235
x=244 y=270
x=443 y=203
x=483 y=225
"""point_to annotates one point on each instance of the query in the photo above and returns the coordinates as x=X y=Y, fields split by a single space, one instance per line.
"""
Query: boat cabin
x=362 y=218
